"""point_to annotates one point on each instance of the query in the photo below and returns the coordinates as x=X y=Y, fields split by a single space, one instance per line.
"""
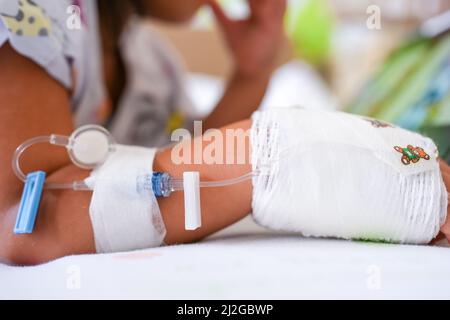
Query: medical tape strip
x=122 y=218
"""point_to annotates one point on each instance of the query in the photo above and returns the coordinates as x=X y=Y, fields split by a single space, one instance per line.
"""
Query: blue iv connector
x=160 y=183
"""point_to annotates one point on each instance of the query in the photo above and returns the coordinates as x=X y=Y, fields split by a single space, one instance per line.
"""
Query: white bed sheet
x=243 y=262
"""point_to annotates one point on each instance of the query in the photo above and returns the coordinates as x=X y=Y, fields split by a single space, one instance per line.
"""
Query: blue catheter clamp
x=79 y=147
x=29 y=204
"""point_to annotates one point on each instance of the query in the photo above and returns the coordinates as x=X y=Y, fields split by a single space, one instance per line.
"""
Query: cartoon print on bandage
x=411 y=154
x=30 y=20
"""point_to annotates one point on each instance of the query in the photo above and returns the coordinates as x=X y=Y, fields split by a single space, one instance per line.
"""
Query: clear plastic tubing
x=162 y=184
x=55 y=140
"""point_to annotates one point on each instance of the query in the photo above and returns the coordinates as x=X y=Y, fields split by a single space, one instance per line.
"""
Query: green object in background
x=441 y=136
x=412 y=88
x=439 y=113
x=416 y=84
x=389 y=78
x=309 y=26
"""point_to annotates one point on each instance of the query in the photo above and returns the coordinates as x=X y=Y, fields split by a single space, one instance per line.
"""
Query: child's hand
x=445 y=169
x=254 y=42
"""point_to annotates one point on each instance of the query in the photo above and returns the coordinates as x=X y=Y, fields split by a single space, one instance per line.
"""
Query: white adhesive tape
x=122 y=218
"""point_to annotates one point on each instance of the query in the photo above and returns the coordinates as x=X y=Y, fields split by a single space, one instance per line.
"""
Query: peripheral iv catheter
x=89 y=147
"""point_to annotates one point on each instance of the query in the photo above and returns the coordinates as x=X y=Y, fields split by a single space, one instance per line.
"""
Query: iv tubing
x=55 y=140
x=175 y=184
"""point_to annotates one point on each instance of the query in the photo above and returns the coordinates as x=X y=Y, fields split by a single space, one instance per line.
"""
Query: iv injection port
x=158 y=182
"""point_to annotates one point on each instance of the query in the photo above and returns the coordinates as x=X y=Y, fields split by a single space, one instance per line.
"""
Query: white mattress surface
x=255 y=265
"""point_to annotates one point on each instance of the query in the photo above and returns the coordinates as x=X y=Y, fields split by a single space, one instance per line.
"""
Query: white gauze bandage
x=332 y=174
x=124 y=218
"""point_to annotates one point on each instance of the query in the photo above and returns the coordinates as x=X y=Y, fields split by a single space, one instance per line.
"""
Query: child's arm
x=33 y=104
x=254 y=45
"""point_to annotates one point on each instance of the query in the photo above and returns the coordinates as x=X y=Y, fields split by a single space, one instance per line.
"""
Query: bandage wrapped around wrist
x=123 y=217
x=332 y=174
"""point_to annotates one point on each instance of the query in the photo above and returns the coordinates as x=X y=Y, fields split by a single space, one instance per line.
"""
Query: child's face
x=173 y=10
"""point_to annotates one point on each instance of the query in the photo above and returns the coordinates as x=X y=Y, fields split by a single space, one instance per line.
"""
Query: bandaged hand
x=445 y=169
x=254 y=41
x=331 y=174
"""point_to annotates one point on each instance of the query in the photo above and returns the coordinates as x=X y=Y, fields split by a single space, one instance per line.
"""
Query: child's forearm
x=32 y=104
x=63 y=226
x=220 y=206
x=241 y=98
x=254 y=44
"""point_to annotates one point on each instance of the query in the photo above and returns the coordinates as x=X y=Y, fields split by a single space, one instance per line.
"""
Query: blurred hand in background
x=254 y=41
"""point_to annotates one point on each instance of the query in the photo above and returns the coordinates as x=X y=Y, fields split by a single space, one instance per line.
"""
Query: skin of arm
x=254 y=44
x=34 y=104
x=241 y=98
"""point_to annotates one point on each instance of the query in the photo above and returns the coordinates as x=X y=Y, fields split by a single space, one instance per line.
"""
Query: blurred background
x=388 y=59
